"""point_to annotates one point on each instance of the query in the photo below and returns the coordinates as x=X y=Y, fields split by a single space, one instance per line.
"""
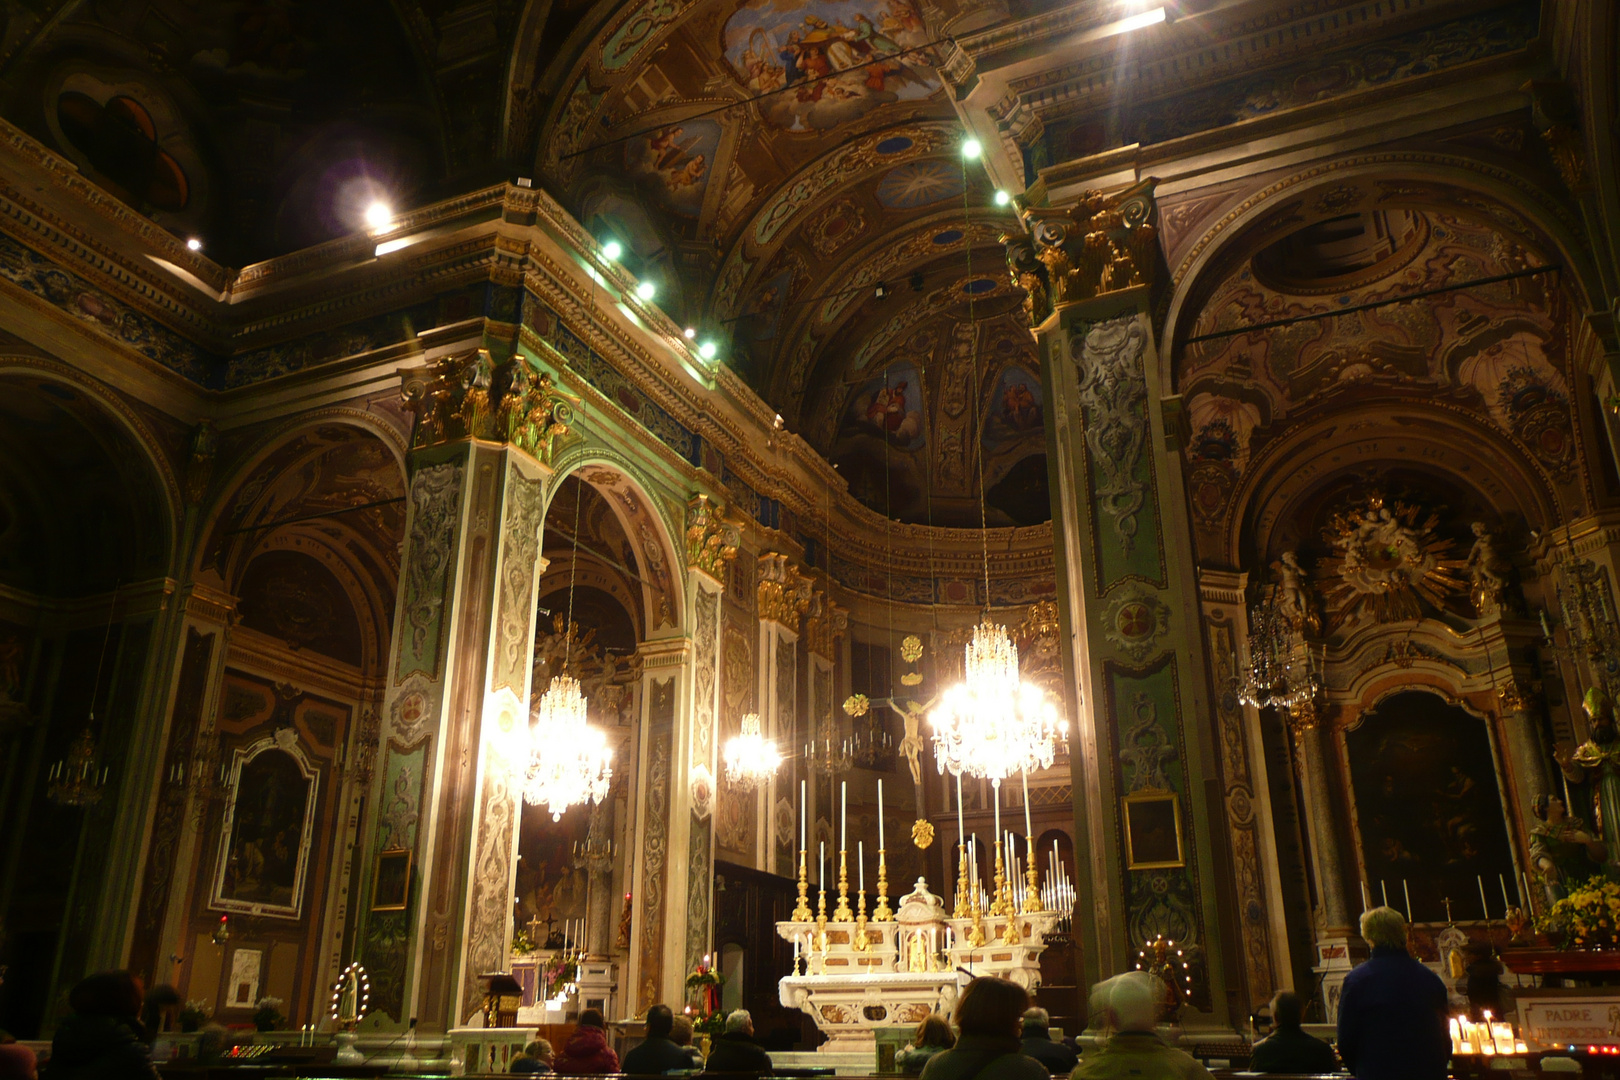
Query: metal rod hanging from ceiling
x=1236 y=331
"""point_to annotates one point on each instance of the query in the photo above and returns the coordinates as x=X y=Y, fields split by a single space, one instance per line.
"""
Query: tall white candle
x=1029 y=829
x=821 y=867
x=1506 y=903
x=995 y=792
x=860 y=864
x=1383 y=891
x=1408 y=893
x=1366 y=904
x=803 y=810
x=880 y=813
x=1483 y=906
x=843 y=806
x=961 y=833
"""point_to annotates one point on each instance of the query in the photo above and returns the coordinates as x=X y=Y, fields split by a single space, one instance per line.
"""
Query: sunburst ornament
x=1387 y=563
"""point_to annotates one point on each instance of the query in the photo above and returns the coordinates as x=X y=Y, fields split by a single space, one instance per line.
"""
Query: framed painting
x=268 y=827
x=391 y=885
x=1153 y=830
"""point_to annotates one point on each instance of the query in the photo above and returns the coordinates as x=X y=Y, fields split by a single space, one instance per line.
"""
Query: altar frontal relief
x=828 y=61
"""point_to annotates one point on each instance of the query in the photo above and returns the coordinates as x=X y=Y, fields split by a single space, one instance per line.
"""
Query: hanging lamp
x=570 y=761
x=751 y=759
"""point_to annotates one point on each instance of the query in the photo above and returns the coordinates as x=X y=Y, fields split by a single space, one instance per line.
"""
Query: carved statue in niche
x=1562 y=849
x=1598 y=760
x=1488 y=572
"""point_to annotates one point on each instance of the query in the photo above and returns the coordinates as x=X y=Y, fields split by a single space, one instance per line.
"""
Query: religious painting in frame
x=391 y=886
x=1153 y=830
x=268 y=828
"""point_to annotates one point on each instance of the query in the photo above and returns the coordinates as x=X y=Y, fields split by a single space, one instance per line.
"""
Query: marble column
x=1129 y=607
x=783 y=596
x=447 y=786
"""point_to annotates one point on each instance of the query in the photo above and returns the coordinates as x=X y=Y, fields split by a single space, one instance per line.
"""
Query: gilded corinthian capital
x=1105 y=243
x=783 y=593
x=711 y=541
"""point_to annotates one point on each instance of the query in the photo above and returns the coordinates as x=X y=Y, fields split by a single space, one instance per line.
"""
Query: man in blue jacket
x=1392 y=1011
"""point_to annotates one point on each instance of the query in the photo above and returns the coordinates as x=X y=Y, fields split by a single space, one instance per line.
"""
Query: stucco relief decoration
x=410 y=716
x=435 y=500
x=519 y=561
x=469 y=396
x=711 y=541
x=783 y=593
x=1135 y=620
x=491 y=896
x=1113 y=392
x=534 y=416
x=705 y=672
x=1387 y=562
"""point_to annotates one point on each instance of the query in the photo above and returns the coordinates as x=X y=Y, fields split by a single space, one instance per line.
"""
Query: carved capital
x=1557 y=120
x=827 y=623
x=711 y=541
x=1104 y=244
x=783 y=592
x=468 y=396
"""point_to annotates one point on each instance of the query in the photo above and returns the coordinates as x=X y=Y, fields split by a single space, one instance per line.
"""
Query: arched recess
x=1398 y=180
x=89 y=511
x=302 y=541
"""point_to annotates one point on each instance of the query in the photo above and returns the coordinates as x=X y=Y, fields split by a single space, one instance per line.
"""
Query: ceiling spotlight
x=612 y=250
x=708 y=350
x=780 y=423
x=379 y=216
x=646 y=290
x=972 y=149
x=193 y=244
x=1002 y=198
x=690 y=332
x=881 y=291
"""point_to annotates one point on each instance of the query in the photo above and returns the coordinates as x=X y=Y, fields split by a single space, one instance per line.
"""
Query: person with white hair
x=735 y=1050
x=1128 y=1007
x=1392 y=1011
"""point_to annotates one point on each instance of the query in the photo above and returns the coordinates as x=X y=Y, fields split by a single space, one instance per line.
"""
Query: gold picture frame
x=391 y=884
x=1153 y=838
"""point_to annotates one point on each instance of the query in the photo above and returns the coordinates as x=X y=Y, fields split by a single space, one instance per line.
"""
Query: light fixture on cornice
x=646 y=290
x=193 y=244
x=379 y=216
x=708 y=350
x=971 y=149
x=612 y=250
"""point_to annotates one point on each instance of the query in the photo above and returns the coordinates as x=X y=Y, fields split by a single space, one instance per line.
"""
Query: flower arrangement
x=522 y=945
x=558 y=974
x=707 y=1018
x=193 y=1015
x=1588 y=918
x=267 y=1014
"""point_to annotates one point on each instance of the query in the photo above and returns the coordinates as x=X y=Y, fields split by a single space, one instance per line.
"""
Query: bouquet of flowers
x=521 y=944
x=1588 y=918
x=557 y=974
x=193 y=1015
x=267 y=1014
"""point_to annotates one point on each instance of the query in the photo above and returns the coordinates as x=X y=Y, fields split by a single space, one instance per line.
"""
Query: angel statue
x=1487 y=570
x=1598 y=760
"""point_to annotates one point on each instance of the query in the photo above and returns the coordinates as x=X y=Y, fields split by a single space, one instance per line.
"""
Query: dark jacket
x=981 y=1057
x=1290 y=1050
x=587 y=1054
x=1392 y=1019
x=1058 y=1059
x=523 y=1063
x=98 y=1048
x=735 y=1052
x=657 y=1054
x=912 y=1061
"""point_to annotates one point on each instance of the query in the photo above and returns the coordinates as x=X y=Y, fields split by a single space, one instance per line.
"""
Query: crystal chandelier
x=829 y=753
x=569 y=761
x=1283 y=671
x=993 y=724
x=75 y=781
x=751 y=759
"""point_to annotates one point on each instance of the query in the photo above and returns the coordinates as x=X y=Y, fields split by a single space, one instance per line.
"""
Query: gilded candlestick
x=882 y=912
x=961 y=908
x=842 y=913
x=976 y=934
x=801 y=912
x=861 y=942
x=998 y=899
x=1032 y=882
